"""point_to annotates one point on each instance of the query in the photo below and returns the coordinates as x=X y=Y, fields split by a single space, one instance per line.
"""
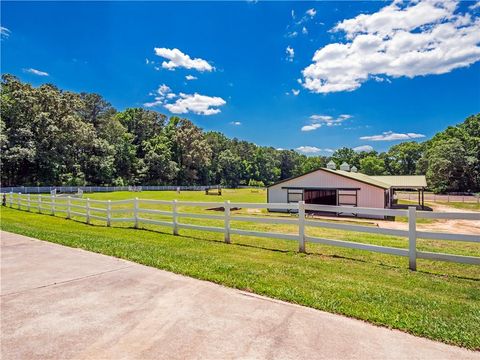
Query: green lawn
x=440 y=301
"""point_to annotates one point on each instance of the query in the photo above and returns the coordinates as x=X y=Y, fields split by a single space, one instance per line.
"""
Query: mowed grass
x=461 y=205
x=441 y=301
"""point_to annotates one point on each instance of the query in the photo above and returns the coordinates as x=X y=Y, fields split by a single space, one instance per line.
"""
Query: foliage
x=49 y=136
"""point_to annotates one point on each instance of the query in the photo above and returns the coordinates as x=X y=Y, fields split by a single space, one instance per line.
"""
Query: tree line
x=55 y=137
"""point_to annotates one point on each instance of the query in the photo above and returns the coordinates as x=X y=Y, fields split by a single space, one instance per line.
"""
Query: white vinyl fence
x=429 y=197
x=70 y=206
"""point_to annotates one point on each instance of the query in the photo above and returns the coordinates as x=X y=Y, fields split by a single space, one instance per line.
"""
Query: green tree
x=372 y=165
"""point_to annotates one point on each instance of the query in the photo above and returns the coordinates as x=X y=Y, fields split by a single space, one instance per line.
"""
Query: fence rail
x=91 y=189
x=428 y=197
x=132 y=213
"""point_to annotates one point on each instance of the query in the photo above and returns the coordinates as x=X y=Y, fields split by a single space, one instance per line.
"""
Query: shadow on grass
x=316 y=254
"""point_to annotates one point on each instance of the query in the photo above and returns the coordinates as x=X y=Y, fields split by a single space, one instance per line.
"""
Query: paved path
x=64 y=303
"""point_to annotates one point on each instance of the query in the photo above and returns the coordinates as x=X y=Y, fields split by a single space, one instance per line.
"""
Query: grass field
x=440 y=301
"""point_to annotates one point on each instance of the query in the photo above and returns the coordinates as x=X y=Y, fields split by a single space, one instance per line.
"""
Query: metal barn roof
x=403 y=181
x=384 y=182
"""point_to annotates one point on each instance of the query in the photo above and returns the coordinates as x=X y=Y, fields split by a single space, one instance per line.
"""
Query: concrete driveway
x=64 y=303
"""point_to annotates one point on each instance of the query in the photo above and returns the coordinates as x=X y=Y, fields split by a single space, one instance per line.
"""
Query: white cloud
x=4 y=32
x=290 y=53
x=196 y=103
x=317 y=121
x=361 y=148
x=475 y=6
x=36 y=72
x=295 y=92
x=179 y=59
x=311 y=127
x=391 y=136
x=312 y=150
x=407 y=39
x=311 y=12
x=308 y=149
x=293 y=14
x=147 y=61
x=236 y=123
x=292 y=34
x=190 y=77
x=304 y=31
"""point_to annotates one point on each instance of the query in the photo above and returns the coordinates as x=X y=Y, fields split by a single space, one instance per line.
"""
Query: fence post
x=19 y=200
x=448 y=197
x=52 y=204
x=39 y=203
x=87 y=215
x=109 y=212
x=135 y=212
x=412 y=237
x=301 y=226
x=175 y=217
x=28 y=202
x=10 y=200
x=227 y=221
x=69 y=202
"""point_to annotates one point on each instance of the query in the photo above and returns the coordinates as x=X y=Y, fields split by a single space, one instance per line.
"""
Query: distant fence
x=468 y=198
x=110 y=210
x=92 y=189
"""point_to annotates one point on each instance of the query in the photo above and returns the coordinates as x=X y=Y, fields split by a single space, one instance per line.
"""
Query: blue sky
x=312 y=76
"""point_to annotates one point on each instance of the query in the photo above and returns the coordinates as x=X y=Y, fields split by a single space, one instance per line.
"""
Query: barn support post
x=227 y=221
x=301 y=226
x=412 y=238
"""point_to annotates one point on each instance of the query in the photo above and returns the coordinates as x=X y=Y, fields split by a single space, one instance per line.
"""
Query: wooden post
x=109 y=213
x=412 y=238
x=28 y=202
x=135 y=212
x=227 y=221
x=39 y=203
x=19 y=200
x=175 y=217
x=69 y=203
x=11 y=198
x=448 y=197
x=301 y=226
x=52 y=204
x=87 y=215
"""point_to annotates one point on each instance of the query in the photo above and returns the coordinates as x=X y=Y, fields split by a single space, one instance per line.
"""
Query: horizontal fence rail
x=131 y=211
x=91 y=189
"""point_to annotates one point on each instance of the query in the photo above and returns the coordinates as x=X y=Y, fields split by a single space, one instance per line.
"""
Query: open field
x=440 y=301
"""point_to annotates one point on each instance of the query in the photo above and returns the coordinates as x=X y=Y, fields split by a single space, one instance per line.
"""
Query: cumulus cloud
x=391 y=136
x=236 y=123
x=317 y=121
x=403 y=39
x=196 y=103
x=361 y=148
x=179 y=59
x=36 y=72
x=304 y=31
x=4 y=32
x=295 y=92
x=308 y=149
x=190 y=77
x=312 y=150
x=475 y=6
x=290 y=53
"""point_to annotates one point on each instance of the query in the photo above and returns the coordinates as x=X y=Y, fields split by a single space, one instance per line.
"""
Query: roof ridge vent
x=331 y=165
x=354 y=169
x=345 y=166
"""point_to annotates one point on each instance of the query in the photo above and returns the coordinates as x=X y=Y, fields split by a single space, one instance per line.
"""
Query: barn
x=329 y=186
